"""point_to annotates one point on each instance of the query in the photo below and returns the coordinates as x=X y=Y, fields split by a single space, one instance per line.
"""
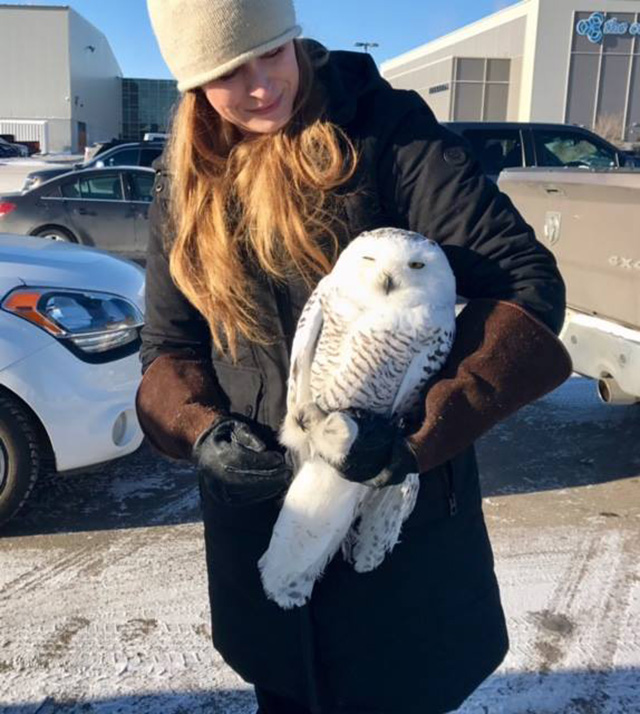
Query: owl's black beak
x=387 y=283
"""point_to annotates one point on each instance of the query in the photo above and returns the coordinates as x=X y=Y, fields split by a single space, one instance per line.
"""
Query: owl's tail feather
x=315 y=517
x=378 y=529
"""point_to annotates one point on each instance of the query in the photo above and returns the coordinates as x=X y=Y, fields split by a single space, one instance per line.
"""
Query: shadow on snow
x=570 y=692
x=566 y=439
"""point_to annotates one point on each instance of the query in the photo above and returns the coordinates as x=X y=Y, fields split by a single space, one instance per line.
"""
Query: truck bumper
x=604 y=350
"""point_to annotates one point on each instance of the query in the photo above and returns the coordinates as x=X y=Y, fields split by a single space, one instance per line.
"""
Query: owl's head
x=390 y=264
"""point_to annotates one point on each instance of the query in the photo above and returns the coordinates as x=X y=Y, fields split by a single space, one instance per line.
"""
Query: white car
x=70 y=320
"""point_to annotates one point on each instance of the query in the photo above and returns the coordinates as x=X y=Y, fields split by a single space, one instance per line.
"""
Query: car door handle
x=86 y=212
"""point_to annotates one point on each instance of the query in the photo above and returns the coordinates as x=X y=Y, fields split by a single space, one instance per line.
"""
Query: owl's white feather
x=372 y=334
x=382 y=513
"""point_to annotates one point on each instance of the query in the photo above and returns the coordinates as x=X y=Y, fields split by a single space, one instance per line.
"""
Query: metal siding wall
x=421 y=79
x=34 y=61
x=96 y=91
x=515 y=88
x=505 y=41
x=27 y=131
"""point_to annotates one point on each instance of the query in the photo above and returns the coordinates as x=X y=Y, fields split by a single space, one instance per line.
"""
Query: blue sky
x=397 y=25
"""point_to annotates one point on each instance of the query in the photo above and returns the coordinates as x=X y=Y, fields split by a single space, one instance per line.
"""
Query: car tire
x=19 y=456
x=55 y=233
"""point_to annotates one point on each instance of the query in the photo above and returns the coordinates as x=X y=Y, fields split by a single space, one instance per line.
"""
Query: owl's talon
x=333 y=437
x=298 y=423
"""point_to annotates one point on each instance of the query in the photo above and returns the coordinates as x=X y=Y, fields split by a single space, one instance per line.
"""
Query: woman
x=282 y=152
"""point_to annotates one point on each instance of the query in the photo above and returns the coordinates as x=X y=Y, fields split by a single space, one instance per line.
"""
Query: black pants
x=269 y=703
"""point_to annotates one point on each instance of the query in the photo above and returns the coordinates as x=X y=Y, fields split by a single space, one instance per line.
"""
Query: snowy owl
x=372 y=334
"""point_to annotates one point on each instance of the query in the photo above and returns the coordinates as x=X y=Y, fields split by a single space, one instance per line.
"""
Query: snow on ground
x=103 y=605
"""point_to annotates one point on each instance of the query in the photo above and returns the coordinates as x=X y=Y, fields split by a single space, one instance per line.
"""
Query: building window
x=470 y=70
x=481 y=89
x=603 y=74
x=583 y=79
x=468 y=100
x=633 y=122
x=147 y=106
x=495 y=102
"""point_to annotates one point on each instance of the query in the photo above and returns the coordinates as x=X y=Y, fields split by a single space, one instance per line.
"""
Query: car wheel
x=58 y=234
x=19 y=456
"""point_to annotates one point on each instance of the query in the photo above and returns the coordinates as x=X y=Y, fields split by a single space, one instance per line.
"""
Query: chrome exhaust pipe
x=610 y=393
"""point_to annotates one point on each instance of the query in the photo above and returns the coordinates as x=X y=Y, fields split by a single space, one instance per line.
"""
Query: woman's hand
x=237 y=466
x=380 y=456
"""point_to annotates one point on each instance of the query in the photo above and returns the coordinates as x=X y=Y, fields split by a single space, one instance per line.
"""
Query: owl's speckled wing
x=436 y=343
x=381 y=369
x=303 y=349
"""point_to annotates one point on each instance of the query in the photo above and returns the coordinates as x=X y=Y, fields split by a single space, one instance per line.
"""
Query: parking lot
x=103 y=590
x=238 y=147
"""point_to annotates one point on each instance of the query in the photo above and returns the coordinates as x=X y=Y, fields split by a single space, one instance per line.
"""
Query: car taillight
x=6 y=207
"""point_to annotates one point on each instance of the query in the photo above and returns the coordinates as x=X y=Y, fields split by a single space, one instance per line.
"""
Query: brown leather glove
x=178 y=398
x=502 y=358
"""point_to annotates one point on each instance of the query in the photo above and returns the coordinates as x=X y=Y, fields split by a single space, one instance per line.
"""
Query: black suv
x=507 y=145
x=9 y=150
x=140 y=153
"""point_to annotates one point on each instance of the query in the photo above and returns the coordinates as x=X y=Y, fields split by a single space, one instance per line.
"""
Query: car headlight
x=92 y=322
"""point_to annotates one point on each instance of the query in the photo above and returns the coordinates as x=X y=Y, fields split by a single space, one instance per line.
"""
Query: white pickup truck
x=590 y=219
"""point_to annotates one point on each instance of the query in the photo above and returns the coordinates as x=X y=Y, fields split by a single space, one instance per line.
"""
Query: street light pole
x=365 y=45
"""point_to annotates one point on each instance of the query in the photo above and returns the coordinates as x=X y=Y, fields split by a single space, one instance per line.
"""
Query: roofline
x=13 y=6
x=151 y=79
x=501 y=17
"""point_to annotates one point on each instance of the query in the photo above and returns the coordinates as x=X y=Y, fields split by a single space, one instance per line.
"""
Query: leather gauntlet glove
x=176 y=400
x=502 y=358
x=236 y=464
x=380 y=456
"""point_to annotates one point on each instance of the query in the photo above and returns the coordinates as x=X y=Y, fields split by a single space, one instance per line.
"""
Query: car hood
x=25 y=260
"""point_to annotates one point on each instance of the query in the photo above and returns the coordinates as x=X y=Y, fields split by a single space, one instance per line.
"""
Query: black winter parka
x=418 y=634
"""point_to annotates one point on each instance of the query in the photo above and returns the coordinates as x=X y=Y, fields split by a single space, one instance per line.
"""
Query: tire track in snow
x=39 y=575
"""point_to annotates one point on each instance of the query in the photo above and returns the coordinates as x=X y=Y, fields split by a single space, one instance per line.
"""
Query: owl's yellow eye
x=416 y=266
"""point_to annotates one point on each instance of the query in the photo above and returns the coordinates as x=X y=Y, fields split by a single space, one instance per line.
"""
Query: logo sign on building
x=439 y=88
x=596 y=26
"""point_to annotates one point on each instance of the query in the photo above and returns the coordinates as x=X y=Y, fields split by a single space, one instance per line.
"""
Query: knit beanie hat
x=201 y=40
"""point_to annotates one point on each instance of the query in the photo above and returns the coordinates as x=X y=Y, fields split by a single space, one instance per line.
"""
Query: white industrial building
x=573 y=61
x=61 y=83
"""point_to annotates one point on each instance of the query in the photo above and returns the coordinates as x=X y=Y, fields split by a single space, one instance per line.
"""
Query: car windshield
x=120 y=157
x=572 y=150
